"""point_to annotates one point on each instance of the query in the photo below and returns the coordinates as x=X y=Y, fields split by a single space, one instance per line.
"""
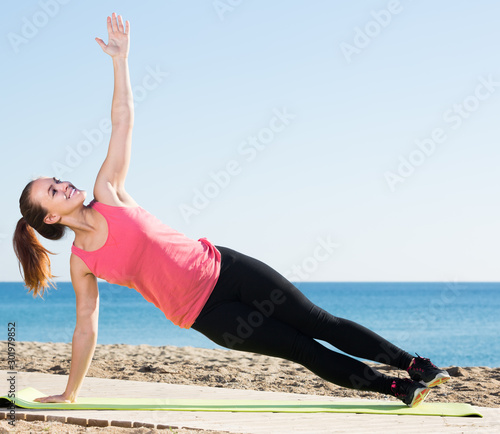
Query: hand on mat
x=52 y=398
x=118 y=37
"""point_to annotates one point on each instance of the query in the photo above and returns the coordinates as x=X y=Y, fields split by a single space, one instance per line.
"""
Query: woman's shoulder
x=78 y=266
x=112 y=198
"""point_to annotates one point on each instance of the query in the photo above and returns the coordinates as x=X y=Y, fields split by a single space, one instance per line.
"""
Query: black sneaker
x=423 y=370
x=412 y=393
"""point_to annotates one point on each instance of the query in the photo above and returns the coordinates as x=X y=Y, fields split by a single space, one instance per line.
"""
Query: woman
x=234 y=300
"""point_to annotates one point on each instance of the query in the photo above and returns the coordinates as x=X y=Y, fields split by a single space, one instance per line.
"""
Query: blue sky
x=336 y=141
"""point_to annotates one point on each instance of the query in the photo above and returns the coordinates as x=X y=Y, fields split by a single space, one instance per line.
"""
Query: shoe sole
x=419 y=398
x=437 y=380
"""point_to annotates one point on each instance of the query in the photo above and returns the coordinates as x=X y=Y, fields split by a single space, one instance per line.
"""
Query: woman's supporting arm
x=83 y=347
x=85 y=335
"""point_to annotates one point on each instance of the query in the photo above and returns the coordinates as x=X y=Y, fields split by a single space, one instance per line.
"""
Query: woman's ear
x=50 y=219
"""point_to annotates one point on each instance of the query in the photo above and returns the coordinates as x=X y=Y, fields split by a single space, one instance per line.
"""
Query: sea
x=453 y=324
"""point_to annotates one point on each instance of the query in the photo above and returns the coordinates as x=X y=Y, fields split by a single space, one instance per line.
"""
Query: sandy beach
x=229 y=369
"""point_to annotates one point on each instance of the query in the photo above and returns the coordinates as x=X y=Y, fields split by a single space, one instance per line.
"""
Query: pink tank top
x=170 y=270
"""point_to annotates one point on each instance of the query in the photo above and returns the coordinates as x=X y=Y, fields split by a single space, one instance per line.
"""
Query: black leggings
x=254 y=308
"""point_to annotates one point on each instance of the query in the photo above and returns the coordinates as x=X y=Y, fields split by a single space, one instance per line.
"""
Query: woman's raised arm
x=115 y=167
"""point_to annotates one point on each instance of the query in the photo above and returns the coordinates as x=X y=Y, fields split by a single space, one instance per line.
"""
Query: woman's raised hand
x=118 y=37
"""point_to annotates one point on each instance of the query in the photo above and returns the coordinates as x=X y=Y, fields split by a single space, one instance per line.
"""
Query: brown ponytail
x=30 y=252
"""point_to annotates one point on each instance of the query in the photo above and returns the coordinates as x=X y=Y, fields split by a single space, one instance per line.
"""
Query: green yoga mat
x=26 y=396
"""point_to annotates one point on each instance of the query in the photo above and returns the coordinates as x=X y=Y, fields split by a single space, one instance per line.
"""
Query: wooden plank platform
x=264 y=423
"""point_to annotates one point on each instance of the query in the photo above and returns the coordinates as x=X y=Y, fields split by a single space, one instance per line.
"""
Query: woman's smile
x=73 y=191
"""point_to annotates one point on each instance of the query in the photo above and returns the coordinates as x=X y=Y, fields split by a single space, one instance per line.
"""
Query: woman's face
x=58 y=197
